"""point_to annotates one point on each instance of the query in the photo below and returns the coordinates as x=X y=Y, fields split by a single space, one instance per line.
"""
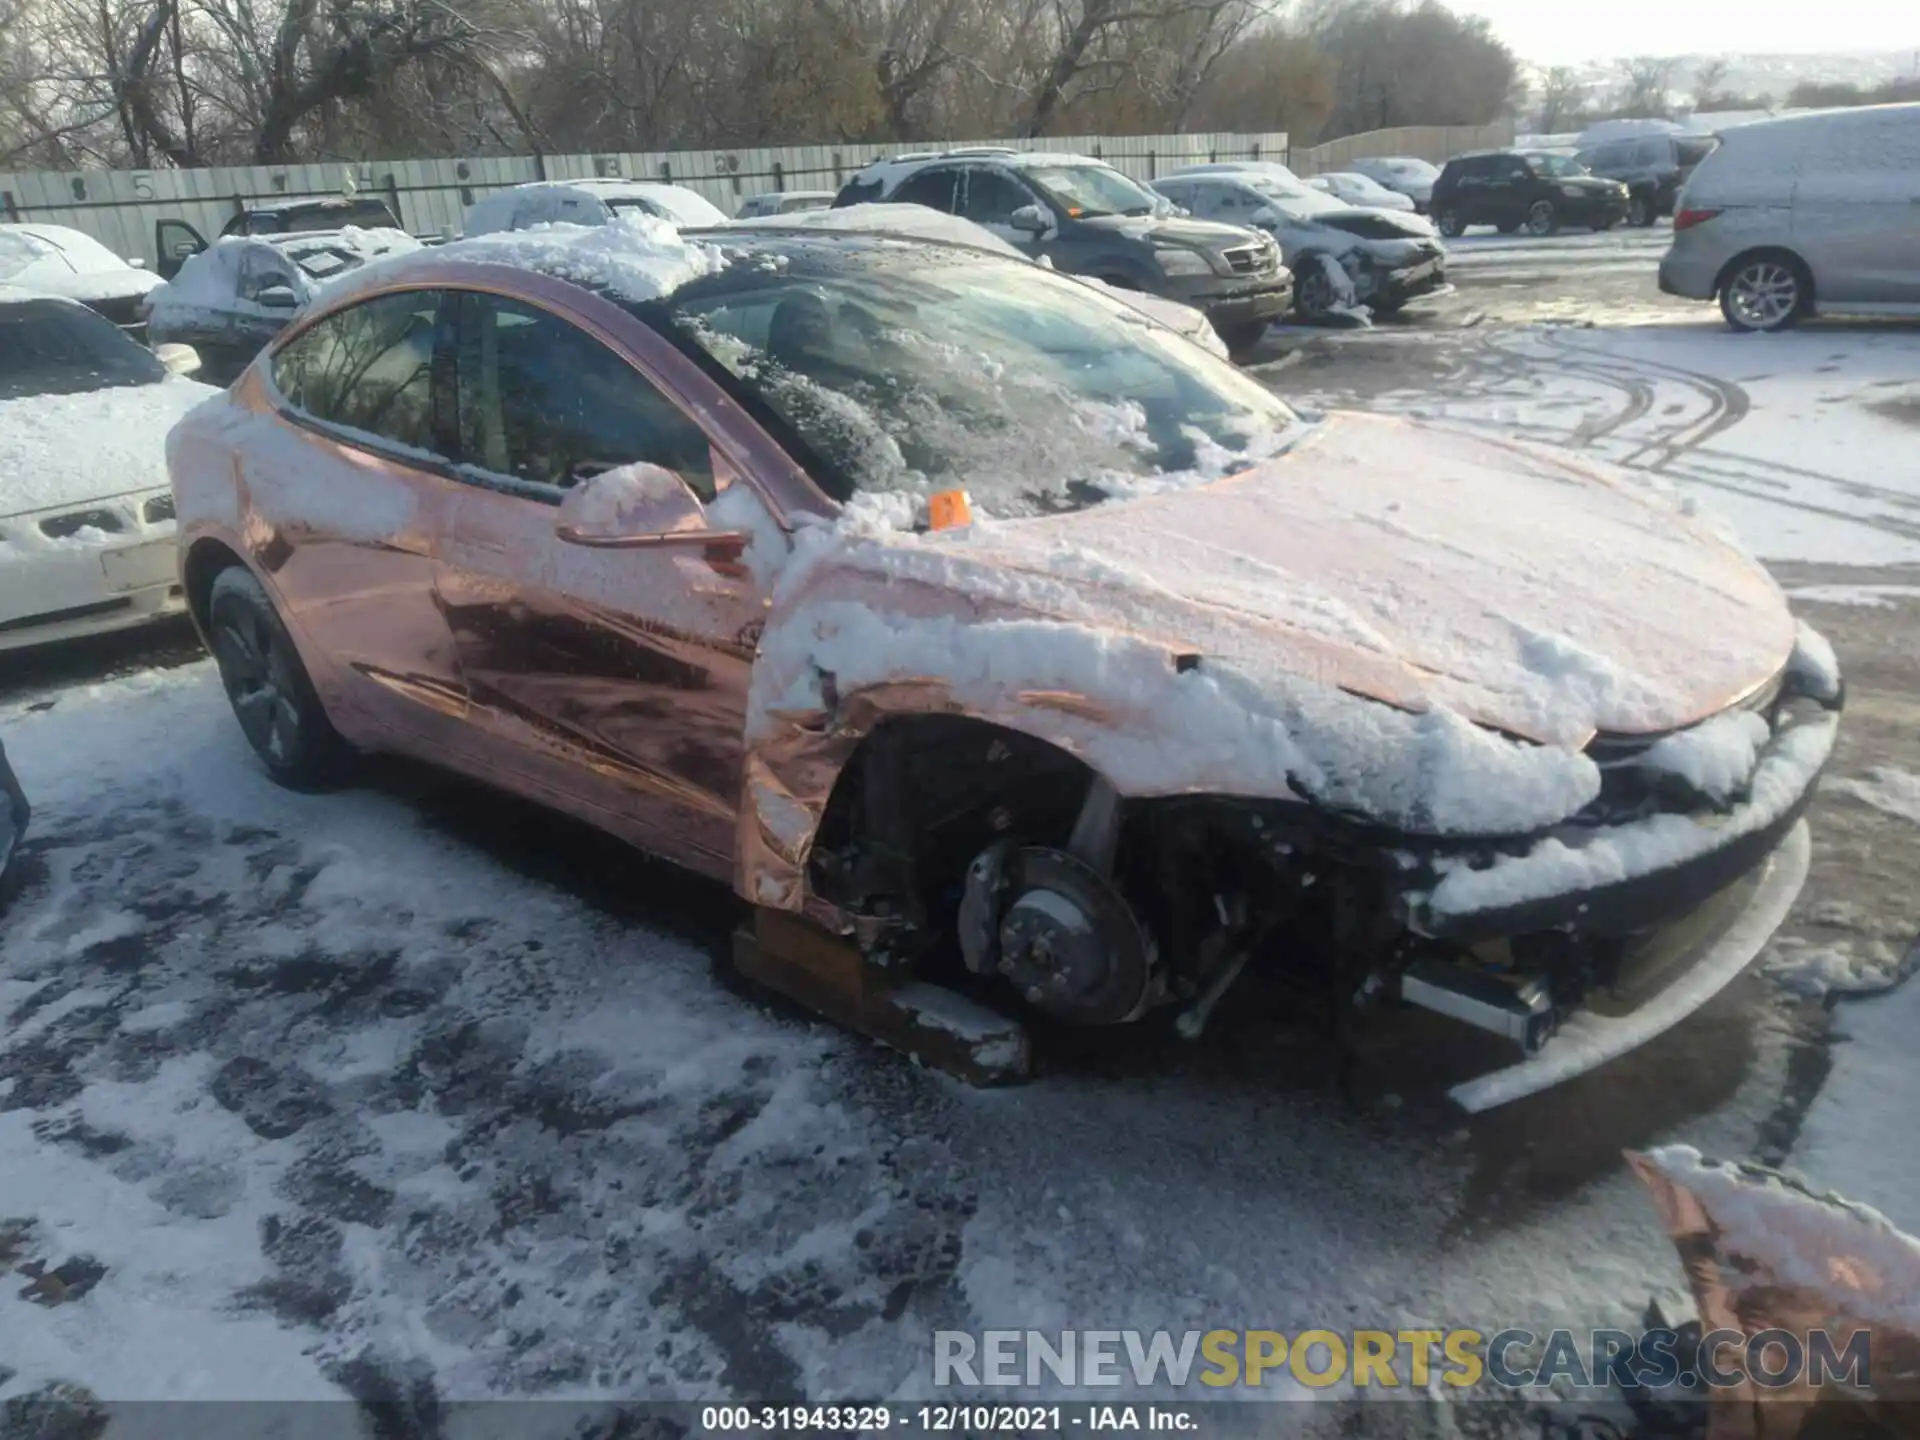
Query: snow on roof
x=686 y=207
x=919 y=222
x=210 y=280
x=634 y=256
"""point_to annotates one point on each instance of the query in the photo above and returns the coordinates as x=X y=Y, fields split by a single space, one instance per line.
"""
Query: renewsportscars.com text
x=1387 y=1359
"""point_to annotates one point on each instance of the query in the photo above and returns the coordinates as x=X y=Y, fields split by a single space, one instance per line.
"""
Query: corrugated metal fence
x=120 y=207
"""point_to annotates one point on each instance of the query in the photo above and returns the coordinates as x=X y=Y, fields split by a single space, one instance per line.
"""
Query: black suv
x=1086 y=218
x=1530 y=188
x=1652 y=167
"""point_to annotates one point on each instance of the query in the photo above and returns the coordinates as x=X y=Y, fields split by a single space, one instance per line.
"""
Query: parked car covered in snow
x=177 y=241
x=588 y=202
x=230 y=300
x=985 y=637
x=53 y=260
x=783 y=202
x=86 y=521
x=920 y=222
x=1356 y=189
x=1086 y=218
x=1534 y=189
x=1404 y=174
x=1814 y=214
x=1341 y=256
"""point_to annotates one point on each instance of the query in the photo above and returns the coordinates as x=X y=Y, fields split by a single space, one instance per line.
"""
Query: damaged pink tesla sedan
x=999 y=645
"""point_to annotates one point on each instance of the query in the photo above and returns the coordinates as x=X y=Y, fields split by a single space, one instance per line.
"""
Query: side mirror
x=185 y=249
x=278 y=297
x=1266 y=215
x=1030 y=218
x=179 y=359
x=640 y=507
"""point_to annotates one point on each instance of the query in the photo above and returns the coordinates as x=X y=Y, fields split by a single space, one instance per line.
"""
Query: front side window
x=545 y=404
x=895 y=371
x=368 y=368
x=993 y=197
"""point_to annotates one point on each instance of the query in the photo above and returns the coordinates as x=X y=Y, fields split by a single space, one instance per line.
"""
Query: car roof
x=903 y=165
x=313 y=202
x=83 y=254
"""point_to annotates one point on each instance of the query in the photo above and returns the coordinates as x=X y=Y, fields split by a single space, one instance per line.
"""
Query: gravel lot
x=415 y=1094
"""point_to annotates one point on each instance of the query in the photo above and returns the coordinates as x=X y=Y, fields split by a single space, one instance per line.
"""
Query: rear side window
x=933 y=188
x=860 y=192
x=368 y=368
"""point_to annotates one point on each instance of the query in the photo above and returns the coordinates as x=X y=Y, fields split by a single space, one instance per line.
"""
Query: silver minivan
x=1805 y=215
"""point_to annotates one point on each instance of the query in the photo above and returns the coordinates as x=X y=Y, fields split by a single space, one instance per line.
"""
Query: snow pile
x=634 y=256
x=1886 y=788
x=1775 y=1231
x=60 y=450
x=1870 y=597
x=1715 y=757
x=1871 y=968
x=1813 y=663
x=1622 y=852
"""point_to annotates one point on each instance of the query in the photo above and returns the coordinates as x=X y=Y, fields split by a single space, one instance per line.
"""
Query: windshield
x=894 y=369
x=1088 y=190
x=51 y=347
x=18 y=251
x=1296 y=202
x=1556 y=167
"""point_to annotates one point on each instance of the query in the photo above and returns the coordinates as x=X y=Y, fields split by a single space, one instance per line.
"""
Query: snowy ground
x=410 y=1091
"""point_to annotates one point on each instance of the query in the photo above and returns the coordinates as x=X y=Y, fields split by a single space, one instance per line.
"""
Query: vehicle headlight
x=1183 y=262
x=1572 y=192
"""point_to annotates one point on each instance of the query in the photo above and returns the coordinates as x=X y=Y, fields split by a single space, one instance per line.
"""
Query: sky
x=1555 y=32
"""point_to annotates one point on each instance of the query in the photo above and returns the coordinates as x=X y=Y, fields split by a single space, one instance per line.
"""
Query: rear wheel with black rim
x=1243 y=338
x=1449 y=222
x=1542 y=218
x=268 y=687
x=1640 y=210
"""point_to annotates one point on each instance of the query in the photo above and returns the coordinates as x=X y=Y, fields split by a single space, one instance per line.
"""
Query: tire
x=1640 y=210
x=272 y=697
x=1600 y=226
x=1765 y=293
x=1243 y=339
x=1312 y=292
x=1507 y=227
x=1447 y=220
x=1542 y=219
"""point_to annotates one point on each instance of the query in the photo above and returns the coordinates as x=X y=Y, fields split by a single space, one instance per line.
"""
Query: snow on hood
x=52 y=260
x=60 y=450
x=1461 y=586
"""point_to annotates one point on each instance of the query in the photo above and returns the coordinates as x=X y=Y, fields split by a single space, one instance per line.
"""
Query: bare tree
x=1648 y=80
x=1562 y=99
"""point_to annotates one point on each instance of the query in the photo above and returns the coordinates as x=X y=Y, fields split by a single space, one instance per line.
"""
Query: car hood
x=89 y=287
x=63 y=450
x=1421 y=567
x=1192 y=234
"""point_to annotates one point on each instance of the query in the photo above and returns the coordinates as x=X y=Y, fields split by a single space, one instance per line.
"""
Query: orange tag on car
x=949 y=510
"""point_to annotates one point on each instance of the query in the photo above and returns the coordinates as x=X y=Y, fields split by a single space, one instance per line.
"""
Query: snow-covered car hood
x=29 y=262
x=60 y=450
x=1417 y=566
x=1193 y=234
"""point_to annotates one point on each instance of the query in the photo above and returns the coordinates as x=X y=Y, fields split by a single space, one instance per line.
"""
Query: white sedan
x=1357 y=189
x=54 y=260
x=86 y=515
